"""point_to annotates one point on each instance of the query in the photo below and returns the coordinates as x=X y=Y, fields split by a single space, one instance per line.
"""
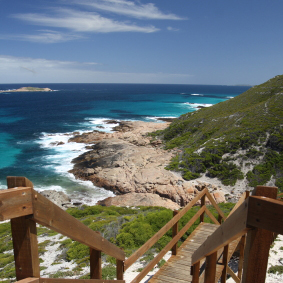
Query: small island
x=27 y=89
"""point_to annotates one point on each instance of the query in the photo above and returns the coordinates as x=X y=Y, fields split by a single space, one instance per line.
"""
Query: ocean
x=31 y=123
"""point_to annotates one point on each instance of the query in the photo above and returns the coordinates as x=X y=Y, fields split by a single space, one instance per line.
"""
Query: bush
x=276 y=269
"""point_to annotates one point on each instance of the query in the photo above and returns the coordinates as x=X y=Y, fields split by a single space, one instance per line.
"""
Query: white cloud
x=172 y=29
x=31 y=70
x=79 y=21
x=43 y=36
x=37 y=65
x=131 y=9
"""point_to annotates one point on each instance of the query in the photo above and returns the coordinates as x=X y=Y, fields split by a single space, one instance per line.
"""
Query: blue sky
x=125 y=41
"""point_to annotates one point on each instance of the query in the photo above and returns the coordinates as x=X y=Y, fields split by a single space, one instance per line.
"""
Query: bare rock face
x=59 y=198
x=219 y=196
x=136 y=199
x=128 y=161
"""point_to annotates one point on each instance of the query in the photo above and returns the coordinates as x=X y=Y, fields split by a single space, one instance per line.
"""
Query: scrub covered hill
x=241 y=138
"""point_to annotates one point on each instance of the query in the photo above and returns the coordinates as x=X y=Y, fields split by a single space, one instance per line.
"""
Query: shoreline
x=129 y=162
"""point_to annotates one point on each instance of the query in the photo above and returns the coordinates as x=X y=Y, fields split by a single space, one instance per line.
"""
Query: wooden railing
x=173 y=223
x=258 y=216
x=25 y=207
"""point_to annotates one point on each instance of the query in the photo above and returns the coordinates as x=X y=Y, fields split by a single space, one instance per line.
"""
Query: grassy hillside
x=236 y=139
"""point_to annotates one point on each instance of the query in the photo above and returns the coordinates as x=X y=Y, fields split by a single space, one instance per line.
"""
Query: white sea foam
x=3 y=186
x=59 y=156
x=196 y=94
x=198 y=105
x=156 y=118
x=100 y=124
x=229 y=97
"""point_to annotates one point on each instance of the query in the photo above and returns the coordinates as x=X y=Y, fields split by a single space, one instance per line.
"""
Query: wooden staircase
x=178 y=267
x=202 y=257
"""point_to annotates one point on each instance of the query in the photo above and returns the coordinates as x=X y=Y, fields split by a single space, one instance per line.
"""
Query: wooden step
x=178 y=268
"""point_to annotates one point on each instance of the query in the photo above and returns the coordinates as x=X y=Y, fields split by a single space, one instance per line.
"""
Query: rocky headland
x=131 y=164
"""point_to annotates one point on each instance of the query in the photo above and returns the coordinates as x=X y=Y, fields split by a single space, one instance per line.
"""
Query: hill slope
x=241 y=138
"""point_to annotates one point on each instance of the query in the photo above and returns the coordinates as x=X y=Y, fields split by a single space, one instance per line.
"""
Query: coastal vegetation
x=241 y=138
x=129 y=228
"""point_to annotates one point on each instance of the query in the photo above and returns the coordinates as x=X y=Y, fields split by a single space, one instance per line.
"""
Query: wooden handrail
x=25 y=204
x=162 y=231
x=135 y=256
x=243 y=197
x=213 y=202
x=57 y=280
x=248 y=215
x=234 y=227
x=26 y=201
x=143 y=273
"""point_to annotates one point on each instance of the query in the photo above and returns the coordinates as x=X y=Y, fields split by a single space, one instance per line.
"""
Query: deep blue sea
x=30 y=122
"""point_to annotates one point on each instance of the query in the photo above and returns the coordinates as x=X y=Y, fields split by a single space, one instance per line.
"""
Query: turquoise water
x=30 y=122
x=8 y=152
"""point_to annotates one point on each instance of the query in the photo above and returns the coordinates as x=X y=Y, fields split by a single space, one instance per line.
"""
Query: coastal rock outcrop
x=59 y=198
x=136 y=199
x=129 y=161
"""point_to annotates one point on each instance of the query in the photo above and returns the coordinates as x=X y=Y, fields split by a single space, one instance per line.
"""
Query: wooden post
x=201 y=218
x=225 y=264
x=119 y=269
x=258 y=245
x=241 y=257
x=195 y=272
x=210 y=268
x=174 y=233
x=24 y=236
x=95 y=264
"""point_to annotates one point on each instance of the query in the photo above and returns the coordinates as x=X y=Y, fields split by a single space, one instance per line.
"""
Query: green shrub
x=109 y=272
x=276 y=269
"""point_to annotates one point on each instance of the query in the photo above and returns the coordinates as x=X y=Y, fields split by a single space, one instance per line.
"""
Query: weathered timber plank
x=202 y=204
x=220 y=212
x=234 y=227
x=211 y=216
x=219 y=268
x=244 y=196
x=175 y=268
x=95 y=264
x=210 y=268
x=25 y=247
x=175 y=230
x=119 y=269
x=258 y=240
x=24 y=232
x=50 y=215
x=56 y=280
x=242 y=245
x=175 y=274
x=15 y=182
x=15 y=203
x=162 y=278
x=162 y=231
x=225 y=264
x=233 y=275
x=28 y=280
x=196 y=272
x=266 y=213
x=179 y=265
x=168 y=247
